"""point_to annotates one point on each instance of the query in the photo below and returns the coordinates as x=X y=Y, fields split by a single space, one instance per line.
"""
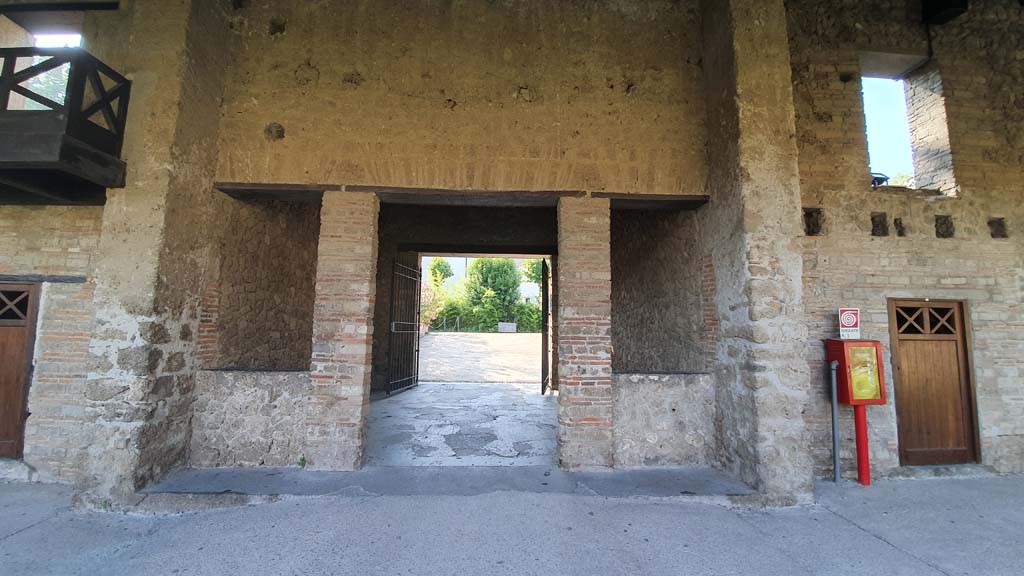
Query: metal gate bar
x=403 y=355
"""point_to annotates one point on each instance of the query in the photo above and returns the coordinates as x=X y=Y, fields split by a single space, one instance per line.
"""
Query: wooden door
x=17 y=332
x=934 y=395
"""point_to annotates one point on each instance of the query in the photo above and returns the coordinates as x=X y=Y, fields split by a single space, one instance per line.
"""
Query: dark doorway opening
x=475 y=383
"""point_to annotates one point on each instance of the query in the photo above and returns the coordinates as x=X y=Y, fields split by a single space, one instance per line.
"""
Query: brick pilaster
x=209 y=326
x=585 y=401
x=342 y=330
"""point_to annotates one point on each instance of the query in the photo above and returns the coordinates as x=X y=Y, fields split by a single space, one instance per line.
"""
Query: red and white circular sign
x=849 y=323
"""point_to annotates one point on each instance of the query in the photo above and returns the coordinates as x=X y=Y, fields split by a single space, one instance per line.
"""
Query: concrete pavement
x=897 y=527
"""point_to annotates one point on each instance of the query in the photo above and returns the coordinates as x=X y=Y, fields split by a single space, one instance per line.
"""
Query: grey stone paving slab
x=452 y=481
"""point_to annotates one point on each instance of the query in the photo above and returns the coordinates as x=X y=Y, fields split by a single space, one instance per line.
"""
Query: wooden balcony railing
x=70 y=86
x=62 y=122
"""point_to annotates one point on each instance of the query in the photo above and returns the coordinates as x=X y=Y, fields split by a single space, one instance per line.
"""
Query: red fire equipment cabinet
x=860 y=382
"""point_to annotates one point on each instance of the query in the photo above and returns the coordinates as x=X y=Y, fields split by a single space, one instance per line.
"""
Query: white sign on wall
x=849 y=323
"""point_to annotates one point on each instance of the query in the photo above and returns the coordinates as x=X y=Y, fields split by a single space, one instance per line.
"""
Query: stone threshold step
x=454 y=481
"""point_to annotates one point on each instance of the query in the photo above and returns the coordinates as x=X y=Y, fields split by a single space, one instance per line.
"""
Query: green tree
x=527 y=317
x=440 y=270
x=431 y=302
x=487 y=312
x=498 y=275
x=533 y=271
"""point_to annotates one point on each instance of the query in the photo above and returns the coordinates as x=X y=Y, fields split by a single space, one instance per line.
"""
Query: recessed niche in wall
x=997 y=227
x=901 y=230
x=944 y=227
x=812 y=221
x=879 y=224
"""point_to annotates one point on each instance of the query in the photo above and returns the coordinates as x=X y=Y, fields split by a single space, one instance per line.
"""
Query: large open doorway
x=462 y=337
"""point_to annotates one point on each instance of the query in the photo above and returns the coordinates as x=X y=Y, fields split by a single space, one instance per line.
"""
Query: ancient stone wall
x=455 y=228
x=519 y=95
x=753 y=230
x=48 y=240
x=264 y=301
x=156 y=248
x=929 y=131
x=249 y=418
x=977 y=57
x=55 y=246
x=664 y=420
x=657 y=309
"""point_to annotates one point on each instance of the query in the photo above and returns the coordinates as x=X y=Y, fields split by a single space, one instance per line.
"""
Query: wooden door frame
x=32 y=324
x=968 y=371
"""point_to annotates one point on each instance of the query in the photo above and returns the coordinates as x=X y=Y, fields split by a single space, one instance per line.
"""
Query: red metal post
x=860 y=424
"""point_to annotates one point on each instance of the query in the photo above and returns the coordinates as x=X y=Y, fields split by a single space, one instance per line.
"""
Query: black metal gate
x=545 y=310
x=404 y=350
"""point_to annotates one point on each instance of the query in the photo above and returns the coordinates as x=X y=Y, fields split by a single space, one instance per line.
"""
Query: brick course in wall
x=55 y=241
x=585 y=395
x=342 y=330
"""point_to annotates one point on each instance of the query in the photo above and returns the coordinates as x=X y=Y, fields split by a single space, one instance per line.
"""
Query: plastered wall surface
x=978 y=58
x=518 y=95
x=657 y=310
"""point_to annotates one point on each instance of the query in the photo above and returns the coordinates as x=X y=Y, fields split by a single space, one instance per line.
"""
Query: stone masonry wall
x=156 y=250
x=929 y=131
x=585 y=389
x=664 y=420
x=518 y=95
x=753 y=232
x=249 y=418
x=978 y=58
x=455 y=227
x=264 y=300
x=657 y=315
x=56 y=244
x=48 y=240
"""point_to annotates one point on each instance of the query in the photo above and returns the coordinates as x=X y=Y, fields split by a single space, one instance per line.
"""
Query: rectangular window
x=905 y=122
x=890 y=154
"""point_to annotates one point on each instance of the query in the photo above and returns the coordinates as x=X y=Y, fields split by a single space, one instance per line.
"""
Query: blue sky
x=885 y=110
